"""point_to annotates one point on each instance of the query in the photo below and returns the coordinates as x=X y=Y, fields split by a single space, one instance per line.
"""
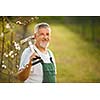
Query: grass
x=77 y=60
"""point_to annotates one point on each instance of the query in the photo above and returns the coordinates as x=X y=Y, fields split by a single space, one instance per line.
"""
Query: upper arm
x=24 y=59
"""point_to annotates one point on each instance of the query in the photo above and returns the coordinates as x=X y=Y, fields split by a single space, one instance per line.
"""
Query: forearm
x=24 y=73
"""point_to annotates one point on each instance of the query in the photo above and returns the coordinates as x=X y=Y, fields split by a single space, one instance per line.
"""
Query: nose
x=46 y=37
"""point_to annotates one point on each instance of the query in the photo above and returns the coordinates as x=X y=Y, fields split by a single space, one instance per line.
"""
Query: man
x=45 y=70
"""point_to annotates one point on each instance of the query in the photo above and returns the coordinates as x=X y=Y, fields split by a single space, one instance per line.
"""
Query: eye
x=41 y=34
x=47 y=34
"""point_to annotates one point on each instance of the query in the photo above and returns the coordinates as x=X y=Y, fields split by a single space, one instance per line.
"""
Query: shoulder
x=26 y=51
x=53 y=58
x=50 y=52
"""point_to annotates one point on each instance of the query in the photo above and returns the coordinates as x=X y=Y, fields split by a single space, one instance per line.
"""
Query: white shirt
x=36 y=74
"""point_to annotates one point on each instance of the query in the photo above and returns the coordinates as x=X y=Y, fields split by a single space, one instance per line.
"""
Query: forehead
x=43 y=30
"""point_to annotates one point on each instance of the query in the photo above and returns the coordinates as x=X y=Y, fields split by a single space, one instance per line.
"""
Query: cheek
x=49 y=38
x=39 y=39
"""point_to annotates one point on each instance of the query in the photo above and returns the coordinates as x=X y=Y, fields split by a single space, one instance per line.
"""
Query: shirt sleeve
x=24 y=59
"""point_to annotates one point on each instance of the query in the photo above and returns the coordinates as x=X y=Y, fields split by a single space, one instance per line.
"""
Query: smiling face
x=43 y=37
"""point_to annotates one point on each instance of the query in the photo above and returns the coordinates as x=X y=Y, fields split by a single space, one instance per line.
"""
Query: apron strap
x=50 y=56
x=37 y=59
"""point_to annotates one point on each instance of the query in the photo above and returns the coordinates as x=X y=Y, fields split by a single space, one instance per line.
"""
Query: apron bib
x=48 y=72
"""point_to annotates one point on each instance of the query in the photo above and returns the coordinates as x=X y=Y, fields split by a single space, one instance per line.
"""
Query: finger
x=33 y=56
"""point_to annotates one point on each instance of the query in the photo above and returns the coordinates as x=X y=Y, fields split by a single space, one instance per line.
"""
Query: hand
x=33 y=56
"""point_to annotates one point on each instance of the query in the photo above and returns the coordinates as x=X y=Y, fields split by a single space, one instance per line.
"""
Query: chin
x=44 y=45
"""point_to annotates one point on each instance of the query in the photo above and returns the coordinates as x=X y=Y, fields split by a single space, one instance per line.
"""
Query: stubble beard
x=44 y=44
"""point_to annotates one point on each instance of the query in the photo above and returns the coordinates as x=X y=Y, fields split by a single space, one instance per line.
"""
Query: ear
x=35 y=35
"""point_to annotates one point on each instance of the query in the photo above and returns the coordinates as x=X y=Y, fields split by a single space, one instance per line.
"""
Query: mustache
x=45 y=39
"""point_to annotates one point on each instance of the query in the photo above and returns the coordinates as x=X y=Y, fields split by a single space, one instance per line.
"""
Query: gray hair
x=41 y=25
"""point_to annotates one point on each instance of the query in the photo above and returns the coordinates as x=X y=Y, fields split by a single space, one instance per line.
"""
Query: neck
x=43 y=50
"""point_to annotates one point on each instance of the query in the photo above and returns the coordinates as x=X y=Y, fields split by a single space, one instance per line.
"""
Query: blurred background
x=75 y=44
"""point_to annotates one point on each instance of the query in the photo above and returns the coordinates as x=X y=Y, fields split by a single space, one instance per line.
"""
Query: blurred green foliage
x=75 y=43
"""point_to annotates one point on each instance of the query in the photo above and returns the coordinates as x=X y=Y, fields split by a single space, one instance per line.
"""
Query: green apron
x=48 y=71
